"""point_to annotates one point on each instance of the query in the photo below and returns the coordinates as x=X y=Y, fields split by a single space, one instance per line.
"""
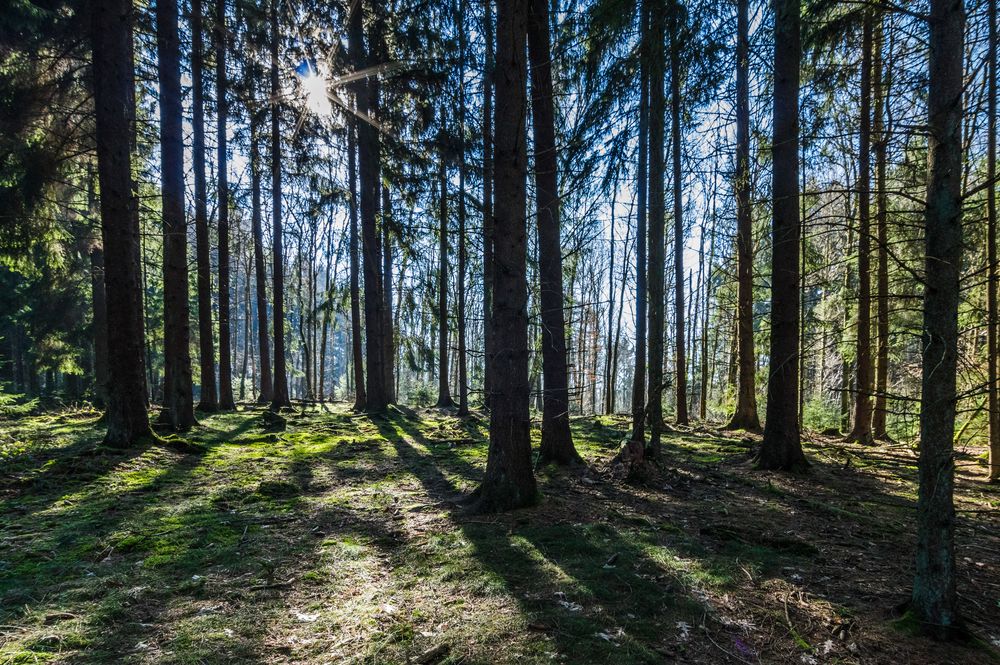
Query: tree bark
x=260 y=270
x=639 y=374
x=444 y=392
x=113 y=81
x=280 y=398
x=509 y=481
x=557 y=441
x=680 y=357
x=880 y=94
x=178 y=399
x=745 y=417
x=487 y=201
x=226 y=401
x=657 y=220
x=934 y=602
x=463 y=366
x=360 y=398
x=864 y=380
x=993 y=309
x=782 y=448
x=208 y=400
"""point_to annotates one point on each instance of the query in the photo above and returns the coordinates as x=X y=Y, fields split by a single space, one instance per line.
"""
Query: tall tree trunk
x=678 y=181
x=208 y=400
x=487 y=201
x=444 y=393
x=260 y=271
x=609 y=389
x=993 y=315
x=880 y=94
x=639 y=374
x=706 y=309
x=864 y=380
x=463 y=367
x=178 y=399
x=357 y=362
x=509 y=482
x=657 y=220
x=99 y=306
x=782 y=448
x=371 y=251
x=280 y=398
x=557 y=441
x=113 y=81
x=222 y=165
x=934 y=601
x=745 y=417
x=389 y=336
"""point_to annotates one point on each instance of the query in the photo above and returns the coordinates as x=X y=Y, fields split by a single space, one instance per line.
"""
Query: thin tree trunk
x=557 y=441
x=745 y=417
x=260 y=271
x=993 y=315
x=881 y=137
x=639 y=375
x=127 y=419
x=444 y=393
x=360 y=399
x=280 y=397
x=781 y=447
x=487 y=201
x=509 y=482
x=657 y=220
x=675 y=128
x=226 y=402
x=609 y=390
x=178 y=399
x=463 y=367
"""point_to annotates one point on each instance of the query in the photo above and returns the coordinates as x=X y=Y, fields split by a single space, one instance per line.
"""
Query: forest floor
x=340 y=540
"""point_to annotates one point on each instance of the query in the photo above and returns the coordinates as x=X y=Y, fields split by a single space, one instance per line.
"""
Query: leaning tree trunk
x=178 y=398
x=864 y=380
x=203 y=253
x=226 y=401
x=934 y=601
x=113 y=78
x=745 y=417
x=280 y=398
x=557 y=441
x=782 y=448
x=509 y=481
x=657 y=215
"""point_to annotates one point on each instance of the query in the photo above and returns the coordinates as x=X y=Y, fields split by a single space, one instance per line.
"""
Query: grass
x=341 y=540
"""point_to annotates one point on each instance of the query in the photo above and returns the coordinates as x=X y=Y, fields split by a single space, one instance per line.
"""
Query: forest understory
x=342 y=539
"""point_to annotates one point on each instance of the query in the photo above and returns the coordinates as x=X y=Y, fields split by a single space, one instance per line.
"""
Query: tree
x=113 y=81
x=881 y=138
x=639 y=375
x=357 y=359
x=444 y=399
x=781 y=448
x=557 y=441
x=509 y=482
x=934 y=601
x=487 y=199
x=226 y=401
x=463 y=365
x=680 y=356
x=280 y=398
x=260 y=270
x=993 y=308
x=178 y=399
x=208 y=399
x=657 y=220
x=862 y=430
x=745 y=416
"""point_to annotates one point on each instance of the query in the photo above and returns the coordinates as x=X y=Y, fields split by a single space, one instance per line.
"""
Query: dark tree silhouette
x=226 y=401
x=280 y=398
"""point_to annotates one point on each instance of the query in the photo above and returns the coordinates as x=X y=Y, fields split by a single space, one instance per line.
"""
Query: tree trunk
x=639 y=374
x=360 y=399
x=113 y=79
x=260 y=271
x=993 y=315
x=208 y=400
x=557 y=441
x=463 y=367
x=178 y=399
x=509 y=482
x=657 y=219
x=879 y=416
x=487 y=201
x=609 y=390
x=222 y=111
x=745 y=417
x=864 y=380
x=444 y=393
x=675 y=128
x=389 y=338
x=934 y=600
x=781 y=448
x=280 y=397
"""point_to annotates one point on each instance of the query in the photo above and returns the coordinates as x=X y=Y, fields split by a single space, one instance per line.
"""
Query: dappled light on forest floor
x=342 y=539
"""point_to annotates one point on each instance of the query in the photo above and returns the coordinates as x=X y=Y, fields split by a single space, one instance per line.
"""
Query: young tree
x=781 y=448
x=209 y=394
x=557 y=441
x=280 y=398
x=357 y=359
x=226 y=401
x=934 y=601
x=745 y=417
x=509 y=482
x=113 y=81
x=178 y=399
